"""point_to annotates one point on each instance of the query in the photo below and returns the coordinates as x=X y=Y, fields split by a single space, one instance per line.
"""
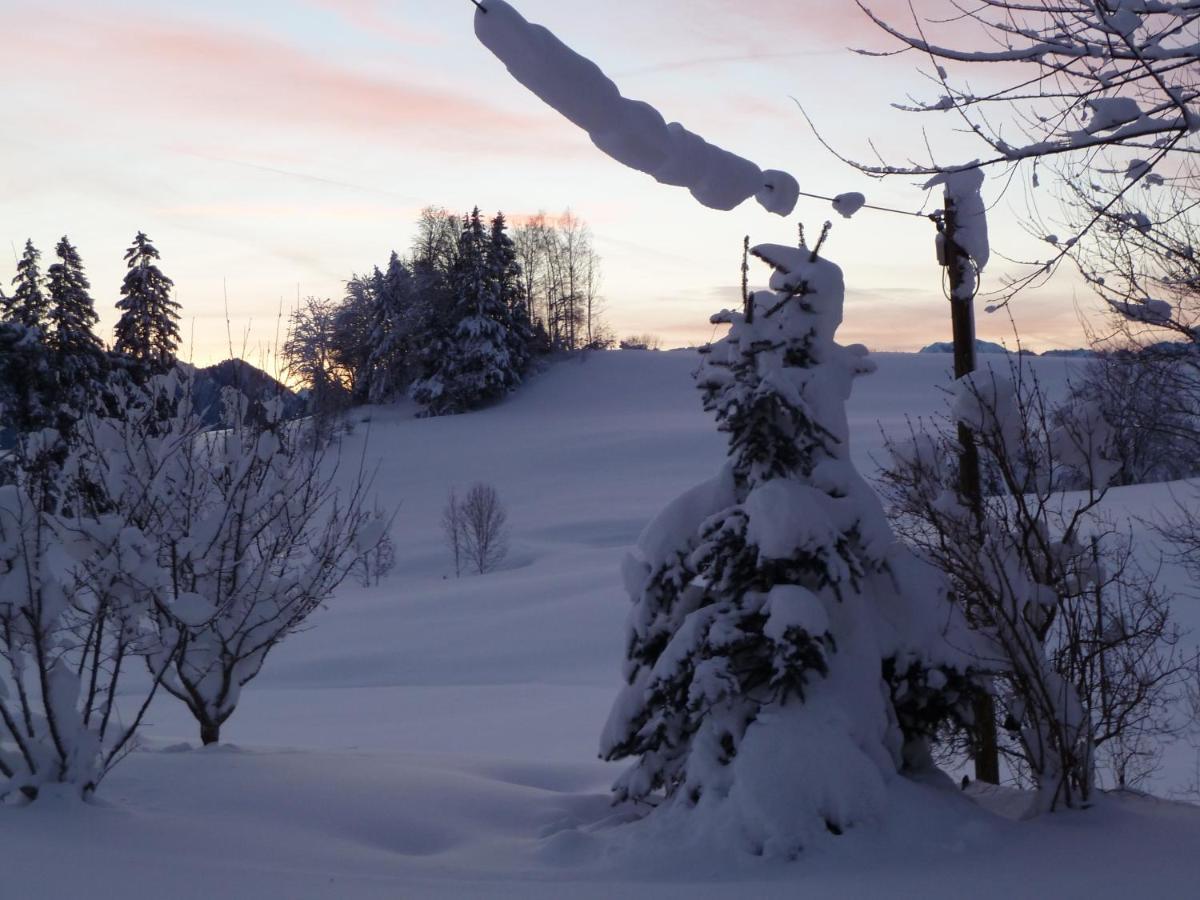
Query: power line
x=899 y=212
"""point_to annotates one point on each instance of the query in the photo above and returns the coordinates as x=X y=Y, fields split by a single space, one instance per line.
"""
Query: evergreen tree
x=26 y=382
x=148 y=330
x=394 y=322
x=79 y=358
x=470 y=364
x=785 y=654
x=28 y=305
x=504 y=273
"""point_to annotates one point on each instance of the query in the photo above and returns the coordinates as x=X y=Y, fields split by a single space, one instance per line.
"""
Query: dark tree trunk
x=210 y=733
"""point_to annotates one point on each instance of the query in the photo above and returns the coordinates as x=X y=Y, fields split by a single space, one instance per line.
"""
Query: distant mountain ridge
x=256 y=384
x=991 y=347
x=980 y=347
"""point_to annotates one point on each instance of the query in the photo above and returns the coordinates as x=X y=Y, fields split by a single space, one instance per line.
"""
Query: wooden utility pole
x=962 y=316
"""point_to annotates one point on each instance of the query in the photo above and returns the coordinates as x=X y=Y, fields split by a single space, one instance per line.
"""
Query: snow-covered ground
x=436 y=737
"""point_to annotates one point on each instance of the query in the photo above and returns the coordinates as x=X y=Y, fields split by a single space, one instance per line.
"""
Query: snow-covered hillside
x=436 y=737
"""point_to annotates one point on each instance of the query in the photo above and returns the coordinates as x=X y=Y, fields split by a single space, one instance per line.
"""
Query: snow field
x=436 y=737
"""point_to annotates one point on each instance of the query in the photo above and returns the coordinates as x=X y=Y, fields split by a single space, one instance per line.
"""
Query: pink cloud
x=781 y=26
x=184 y=71
x=779 y=30
x=224 y=211
x=373 y=16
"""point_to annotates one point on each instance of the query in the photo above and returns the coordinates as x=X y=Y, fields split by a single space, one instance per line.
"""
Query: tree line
x=134 y=535
x=53 y=365
x=458 y=322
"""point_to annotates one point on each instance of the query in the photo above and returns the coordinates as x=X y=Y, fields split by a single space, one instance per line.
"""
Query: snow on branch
x=1149 y=310
x=630 y=131
x=1081 y=74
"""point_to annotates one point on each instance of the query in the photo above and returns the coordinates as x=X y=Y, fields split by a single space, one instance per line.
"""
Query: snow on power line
x=630 y=131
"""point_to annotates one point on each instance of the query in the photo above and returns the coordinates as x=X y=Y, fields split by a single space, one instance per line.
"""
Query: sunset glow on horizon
x=272 y=150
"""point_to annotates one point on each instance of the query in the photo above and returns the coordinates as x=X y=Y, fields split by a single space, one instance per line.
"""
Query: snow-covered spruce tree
x=504 y=272
x=786 y=657
x=471 y=364
x=28 y=305
x=255 y=537
x=79 y=359
x=148 y=330
x=394 y=320
x=27 y=382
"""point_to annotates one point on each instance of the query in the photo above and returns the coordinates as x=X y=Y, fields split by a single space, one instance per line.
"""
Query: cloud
x=175 y=72
x=373 y=16
x=774 y=32
x=218 y=157
x=231 y=210
x=778 y=26
x=710 y=62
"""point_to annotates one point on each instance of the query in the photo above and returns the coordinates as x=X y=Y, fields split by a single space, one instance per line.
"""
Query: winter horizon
x=273 y=152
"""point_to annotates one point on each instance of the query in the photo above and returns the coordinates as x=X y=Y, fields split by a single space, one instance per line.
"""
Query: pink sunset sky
x=273 y=148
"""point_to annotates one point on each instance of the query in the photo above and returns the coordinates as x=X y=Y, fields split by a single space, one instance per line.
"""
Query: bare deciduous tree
x=1143 y=261
x=310 y=356
x=376 y=548
x=1076 y=88
x=435 y=245
x=454 y=530
x=1086 y=657
x=561 y=279
x=476 y=529
x=252 y=533
x=1154 y=414
x=641 y=342
x=484 y=520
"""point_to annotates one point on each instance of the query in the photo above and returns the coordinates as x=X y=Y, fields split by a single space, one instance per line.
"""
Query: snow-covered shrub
x=254 y=536
x=785 y=657
x=1080 y=638
x=78 y=578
